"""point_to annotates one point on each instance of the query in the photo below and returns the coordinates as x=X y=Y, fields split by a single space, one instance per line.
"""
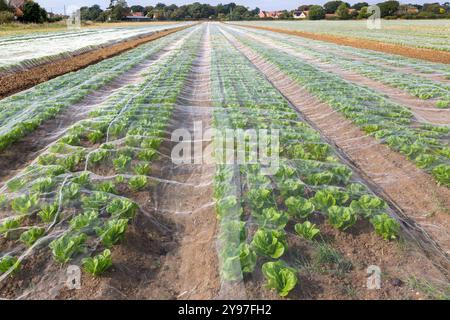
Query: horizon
x=57 y=6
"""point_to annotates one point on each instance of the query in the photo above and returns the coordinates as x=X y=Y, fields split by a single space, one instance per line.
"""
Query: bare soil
x=417 y=53
x=11 y=83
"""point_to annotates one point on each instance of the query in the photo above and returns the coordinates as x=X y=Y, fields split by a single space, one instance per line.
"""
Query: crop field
x=226 y=162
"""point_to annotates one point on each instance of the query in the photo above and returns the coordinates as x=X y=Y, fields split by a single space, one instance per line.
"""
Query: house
x=17 y=5
x=270 y=14
x=300 y=14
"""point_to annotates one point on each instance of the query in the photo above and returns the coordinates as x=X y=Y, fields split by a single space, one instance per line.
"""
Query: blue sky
x=58 y=5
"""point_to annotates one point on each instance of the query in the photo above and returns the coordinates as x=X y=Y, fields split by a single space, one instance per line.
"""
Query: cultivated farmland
x=226 y=161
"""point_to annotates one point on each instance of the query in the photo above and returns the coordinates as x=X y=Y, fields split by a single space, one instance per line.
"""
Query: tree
x=32 y=12
x=316 y=13
x=388 y=8
x=433 y=8
x=118 y=12
x=331 y=6
x=358 y=6
x=342 y=11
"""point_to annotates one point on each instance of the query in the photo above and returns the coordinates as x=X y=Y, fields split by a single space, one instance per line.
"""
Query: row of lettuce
x=394 y=125
x=24 y=112
x=420 y=86
x=22 y=52
x=76 y=199
x=258 y=213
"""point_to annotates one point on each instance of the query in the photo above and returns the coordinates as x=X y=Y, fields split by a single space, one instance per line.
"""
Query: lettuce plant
x=260 y=198
x=237 y=260
x=82 y=179
x=96 y=200
x=48 y=212
x=43 y=184
x=285 y=172
x=442 y=174
x=107 y=187
x=385 y=226
x=10 y=224
x=71 y=191
x=83 y=220
x=146 y=154
x=299 y=207
x=25 y=203
x=143 y=169
x=368 y=206
x=341 y=217
x=121 y=162
x=66 y=246
x=30 y=236
x=15 y=184
x=98 y=264
x=122 y=208
x=269 y=243
x=97 y=156
x=323 y=199
x=291 y=187
x=233 y=232
x=279 y=277
x=307 y=230
x=95 y=136
x=228 y=207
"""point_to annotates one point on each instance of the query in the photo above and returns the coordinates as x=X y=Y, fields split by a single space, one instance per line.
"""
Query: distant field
x=430 y=34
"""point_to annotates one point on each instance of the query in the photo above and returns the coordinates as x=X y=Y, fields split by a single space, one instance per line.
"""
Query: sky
x=57 y=6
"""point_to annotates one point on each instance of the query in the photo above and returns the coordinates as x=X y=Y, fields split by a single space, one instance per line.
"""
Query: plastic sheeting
x=19 y=52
